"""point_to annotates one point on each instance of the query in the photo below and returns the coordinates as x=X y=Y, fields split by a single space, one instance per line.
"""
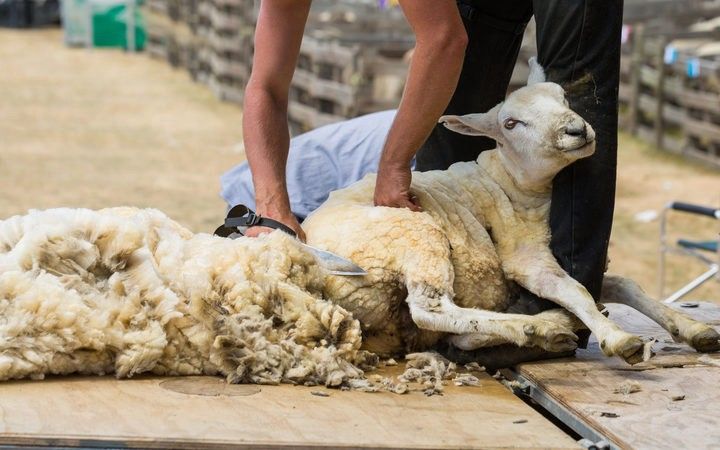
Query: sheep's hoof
x=550 y=336
x=560 y=341
x=628 y=347
x=631 y=350
x=706 y=341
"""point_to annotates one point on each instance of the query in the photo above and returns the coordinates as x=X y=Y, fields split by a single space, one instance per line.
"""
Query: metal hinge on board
x=522 y=387
x=590 y=445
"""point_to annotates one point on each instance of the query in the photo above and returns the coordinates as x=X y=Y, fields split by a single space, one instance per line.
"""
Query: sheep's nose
x=576 y=128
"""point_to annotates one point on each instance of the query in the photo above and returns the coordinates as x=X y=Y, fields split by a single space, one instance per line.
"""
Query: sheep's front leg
x=479 y=328
x=557 y=317
x=700 y=336
x=539 y=273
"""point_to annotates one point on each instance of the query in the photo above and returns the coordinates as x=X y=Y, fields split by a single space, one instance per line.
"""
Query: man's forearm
x=266 y=143
x=433 y=76
x=278 y=36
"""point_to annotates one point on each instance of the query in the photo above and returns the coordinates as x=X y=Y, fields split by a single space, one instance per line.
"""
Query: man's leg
x=578 y=42
x=579 y=47
x=495 y=32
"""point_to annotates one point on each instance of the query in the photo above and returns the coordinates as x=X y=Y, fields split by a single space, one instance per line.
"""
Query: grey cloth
x=319 y=162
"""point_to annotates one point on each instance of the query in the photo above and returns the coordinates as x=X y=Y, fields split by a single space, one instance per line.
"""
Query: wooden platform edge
x=525 y=387
x=20 y=441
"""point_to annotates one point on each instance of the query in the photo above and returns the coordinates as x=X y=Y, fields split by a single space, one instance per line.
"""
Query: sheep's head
x=536 y=131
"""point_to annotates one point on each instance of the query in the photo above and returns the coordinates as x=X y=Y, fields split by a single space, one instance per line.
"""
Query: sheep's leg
x=700 y=336
x=474 y=341
x=480 y=328
x=538 y=271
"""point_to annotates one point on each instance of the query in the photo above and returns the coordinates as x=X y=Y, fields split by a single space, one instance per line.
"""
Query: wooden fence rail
x=670 y=71
x=670 y=82
x=353 y=64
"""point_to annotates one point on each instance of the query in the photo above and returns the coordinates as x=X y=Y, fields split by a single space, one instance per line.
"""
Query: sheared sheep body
x=447 y=250
x=450 y=271
x=127 y=291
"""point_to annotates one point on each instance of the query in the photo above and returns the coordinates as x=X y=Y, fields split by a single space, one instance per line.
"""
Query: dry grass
x=103 y=128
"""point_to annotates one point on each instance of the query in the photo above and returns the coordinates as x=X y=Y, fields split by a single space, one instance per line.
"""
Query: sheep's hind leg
x=698 y=335
x=554 y=342
x=479 y=328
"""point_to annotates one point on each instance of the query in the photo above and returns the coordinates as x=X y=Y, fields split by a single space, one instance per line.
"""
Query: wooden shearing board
x=677 y=406
x=203 y=412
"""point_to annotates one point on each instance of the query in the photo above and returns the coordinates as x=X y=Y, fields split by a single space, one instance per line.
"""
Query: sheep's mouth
x=581 y=148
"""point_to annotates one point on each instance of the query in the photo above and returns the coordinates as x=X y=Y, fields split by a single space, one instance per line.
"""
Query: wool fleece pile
x=128 y=291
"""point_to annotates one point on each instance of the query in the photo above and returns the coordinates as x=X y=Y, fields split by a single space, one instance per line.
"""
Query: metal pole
x=694 y=284
x=660 y=95
x=89 y=25
x=635 y=76
x=130 y=26
x=663 y=250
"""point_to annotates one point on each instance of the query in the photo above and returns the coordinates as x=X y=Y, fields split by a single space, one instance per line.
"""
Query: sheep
x=448 y=273
x=128 y=291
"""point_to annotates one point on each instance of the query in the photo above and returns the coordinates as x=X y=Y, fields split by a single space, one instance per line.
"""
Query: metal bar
x=45 y=447
x=635 y=79
x=660 y=95
x=690 y=252
x=693 y=284
x=694 y=253
x=696 y=209
x=130 y=26
x=663 y=251
x=555 y=409
x=685 y=34
x=89 y=25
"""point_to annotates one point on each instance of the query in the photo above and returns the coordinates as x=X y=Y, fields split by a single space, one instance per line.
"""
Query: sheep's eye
x=509 y=124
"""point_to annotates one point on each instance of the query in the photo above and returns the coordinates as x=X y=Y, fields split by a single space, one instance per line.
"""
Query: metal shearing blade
x=336 y=265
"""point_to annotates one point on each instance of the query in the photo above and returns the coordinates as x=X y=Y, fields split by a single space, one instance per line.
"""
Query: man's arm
x=434 y=73
x=278 y=36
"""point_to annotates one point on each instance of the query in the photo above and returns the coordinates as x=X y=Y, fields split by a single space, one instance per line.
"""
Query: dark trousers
x=579 y=47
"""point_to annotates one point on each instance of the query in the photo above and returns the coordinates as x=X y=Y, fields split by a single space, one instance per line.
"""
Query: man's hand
x=392 y=188
x=285 y=217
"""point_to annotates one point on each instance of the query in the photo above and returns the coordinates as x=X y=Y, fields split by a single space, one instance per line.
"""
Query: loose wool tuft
x=128 y=291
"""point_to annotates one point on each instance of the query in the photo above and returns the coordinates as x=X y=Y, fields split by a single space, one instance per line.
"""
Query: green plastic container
x=103 y=23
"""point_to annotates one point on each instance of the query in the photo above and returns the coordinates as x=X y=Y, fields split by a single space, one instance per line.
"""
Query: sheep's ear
x=537 y=73
x=485 y=124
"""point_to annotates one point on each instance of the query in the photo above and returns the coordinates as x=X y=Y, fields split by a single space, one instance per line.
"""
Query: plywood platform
x=184 y=413
x=677 y=406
